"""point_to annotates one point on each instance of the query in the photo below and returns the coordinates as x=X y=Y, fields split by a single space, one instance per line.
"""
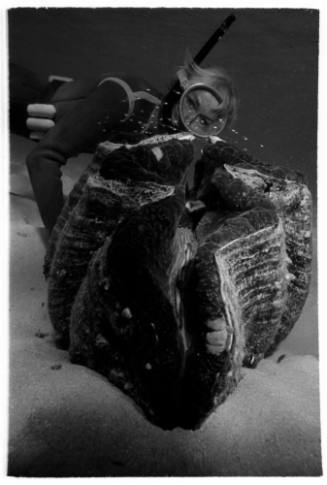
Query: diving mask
x=202 y=110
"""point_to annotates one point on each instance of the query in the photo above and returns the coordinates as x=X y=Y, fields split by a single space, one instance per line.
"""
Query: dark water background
x=272 y=55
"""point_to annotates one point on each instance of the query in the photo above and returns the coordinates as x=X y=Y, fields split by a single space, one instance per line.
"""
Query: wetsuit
x=118 y=108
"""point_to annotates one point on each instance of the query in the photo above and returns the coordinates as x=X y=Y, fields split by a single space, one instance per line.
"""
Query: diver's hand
x=40 y=119
x=43 y=116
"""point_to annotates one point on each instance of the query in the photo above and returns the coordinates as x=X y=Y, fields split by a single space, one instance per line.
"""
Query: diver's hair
x=217 y=78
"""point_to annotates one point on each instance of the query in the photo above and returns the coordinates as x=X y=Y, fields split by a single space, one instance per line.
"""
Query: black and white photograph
x=163 y=289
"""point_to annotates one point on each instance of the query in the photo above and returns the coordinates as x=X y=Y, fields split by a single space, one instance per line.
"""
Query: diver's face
x=200 y=111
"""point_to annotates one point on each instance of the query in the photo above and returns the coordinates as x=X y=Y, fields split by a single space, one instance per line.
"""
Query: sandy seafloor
x=66 y=420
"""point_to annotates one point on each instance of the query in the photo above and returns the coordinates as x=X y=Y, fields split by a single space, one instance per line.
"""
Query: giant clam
x=167 y=295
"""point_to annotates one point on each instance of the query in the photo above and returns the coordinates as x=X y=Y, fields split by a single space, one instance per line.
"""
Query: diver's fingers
x=38 y=110
x=39 y=124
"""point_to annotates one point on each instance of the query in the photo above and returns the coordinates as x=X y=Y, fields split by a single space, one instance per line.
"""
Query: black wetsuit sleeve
x=78 y=130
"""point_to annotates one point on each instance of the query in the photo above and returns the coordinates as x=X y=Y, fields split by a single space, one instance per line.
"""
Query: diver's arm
x=78 y=130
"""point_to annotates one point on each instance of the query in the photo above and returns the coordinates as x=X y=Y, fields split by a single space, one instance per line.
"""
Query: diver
x=121 y=109
x=70 y=117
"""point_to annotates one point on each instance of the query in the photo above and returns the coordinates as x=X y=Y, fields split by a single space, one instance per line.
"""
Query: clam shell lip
x=108 y=146
x=153 y=140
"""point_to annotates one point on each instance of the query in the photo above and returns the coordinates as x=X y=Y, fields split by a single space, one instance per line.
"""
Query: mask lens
x=201 y=111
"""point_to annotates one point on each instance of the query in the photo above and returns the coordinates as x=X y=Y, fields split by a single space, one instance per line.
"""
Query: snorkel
x=177 y=93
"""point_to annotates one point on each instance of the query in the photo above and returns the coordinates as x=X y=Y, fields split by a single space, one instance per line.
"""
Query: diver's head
x=207 y=101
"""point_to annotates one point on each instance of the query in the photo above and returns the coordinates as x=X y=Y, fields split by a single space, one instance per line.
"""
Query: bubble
x=261 y=145
x=245 y=138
